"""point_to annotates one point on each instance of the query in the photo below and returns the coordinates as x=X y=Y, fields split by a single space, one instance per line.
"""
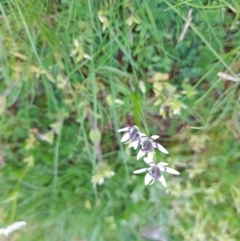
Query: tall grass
x=70 y=76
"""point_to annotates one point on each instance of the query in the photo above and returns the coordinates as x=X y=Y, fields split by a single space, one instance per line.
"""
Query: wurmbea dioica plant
x=136 y=138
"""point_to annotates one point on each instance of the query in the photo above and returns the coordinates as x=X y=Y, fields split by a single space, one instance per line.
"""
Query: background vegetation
x=73 y=72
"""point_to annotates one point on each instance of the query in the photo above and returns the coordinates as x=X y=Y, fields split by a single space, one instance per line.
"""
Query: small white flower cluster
x=135 y=138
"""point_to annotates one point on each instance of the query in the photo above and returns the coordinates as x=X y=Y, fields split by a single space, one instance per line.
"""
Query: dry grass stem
x=185 y=28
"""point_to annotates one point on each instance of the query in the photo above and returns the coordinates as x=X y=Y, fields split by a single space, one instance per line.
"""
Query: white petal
x=162 y=180
x=142 y=134
x=148 y=179
x=125 y=137
x=150 y=155
x=151 y=182
x=149 y=161
x=163 y=164
x=101 y=181
x=140 y=154
x=154 y=137
x=140 y=170
x=160 y=147
x=136 y=127
x=134 y=144
x=162 y=168
x=172 y=171
x=124 y=129
x=143 y=138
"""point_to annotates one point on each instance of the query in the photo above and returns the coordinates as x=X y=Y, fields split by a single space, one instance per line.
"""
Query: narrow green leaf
x=136 y=108
x=2 y=103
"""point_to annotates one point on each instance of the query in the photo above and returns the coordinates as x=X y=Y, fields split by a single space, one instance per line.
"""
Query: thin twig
x=185 y=28
x=227 y=77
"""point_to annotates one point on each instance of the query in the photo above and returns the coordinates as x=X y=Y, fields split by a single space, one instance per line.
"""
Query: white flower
x=102 y=171
x=9 y=229
x=155 y=172
x=133 y=135
x=148 y=145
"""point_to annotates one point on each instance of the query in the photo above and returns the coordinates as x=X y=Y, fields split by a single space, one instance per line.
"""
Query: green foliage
x=73 y=72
